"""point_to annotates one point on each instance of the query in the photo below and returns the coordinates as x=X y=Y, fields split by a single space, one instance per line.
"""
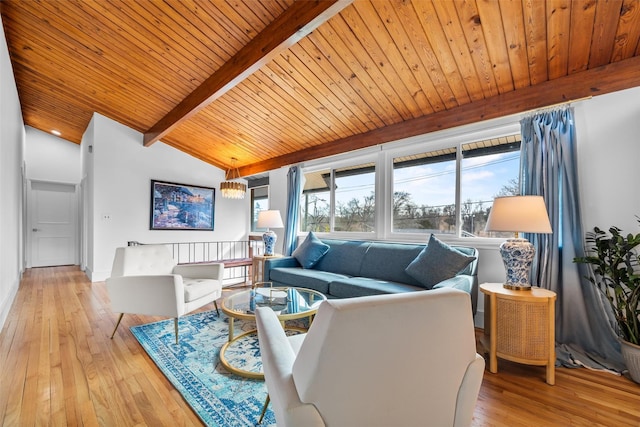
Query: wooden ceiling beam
x=285 y=31
x=597 y=81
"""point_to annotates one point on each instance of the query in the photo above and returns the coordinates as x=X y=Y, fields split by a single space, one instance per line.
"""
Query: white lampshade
x=270 y=219
x=527 y=214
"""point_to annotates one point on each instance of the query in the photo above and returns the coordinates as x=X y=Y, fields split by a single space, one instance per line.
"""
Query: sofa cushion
x=363 y=286
x=437 y=262
x=310 y=251
x=344 y=257
x=388 y=261
x=304 y=278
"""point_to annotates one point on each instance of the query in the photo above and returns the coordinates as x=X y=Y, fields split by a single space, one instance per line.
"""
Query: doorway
x=52 y=212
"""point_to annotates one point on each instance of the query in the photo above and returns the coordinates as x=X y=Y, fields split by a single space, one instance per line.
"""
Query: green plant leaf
x=615 y=263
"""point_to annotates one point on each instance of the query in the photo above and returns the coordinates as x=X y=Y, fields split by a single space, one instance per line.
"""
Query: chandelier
x=233 y=189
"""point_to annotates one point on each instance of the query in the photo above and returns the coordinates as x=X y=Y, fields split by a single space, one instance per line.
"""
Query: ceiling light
x=56 y=132
x=233 y=189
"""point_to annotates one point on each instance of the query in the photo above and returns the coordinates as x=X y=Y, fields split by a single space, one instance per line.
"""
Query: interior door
x=53 y=211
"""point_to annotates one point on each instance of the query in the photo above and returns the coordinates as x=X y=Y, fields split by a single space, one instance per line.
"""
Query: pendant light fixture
x=233 y=189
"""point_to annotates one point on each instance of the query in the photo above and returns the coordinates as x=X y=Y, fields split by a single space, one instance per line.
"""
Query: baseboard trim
x=97 y=276
x=478 y=320
x=5 y=306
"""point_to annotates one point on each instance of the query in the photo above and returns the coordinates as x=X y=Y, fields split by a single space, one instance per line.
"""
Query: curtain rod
x=549 y=107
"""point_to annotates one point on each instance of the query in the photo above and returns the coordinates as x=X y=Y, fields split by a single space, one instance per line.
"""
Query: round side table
x=521 y=326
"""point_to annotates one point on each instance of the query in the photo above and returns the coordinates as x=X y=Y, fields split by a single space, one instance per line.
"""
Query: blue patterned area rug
x=219 y=397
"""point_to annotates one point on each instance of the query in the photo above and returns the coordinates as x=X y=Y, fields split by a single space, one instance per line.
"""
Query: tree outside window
x=316 y=202
x=424 y=187
x=353 y=198
x=424 y=192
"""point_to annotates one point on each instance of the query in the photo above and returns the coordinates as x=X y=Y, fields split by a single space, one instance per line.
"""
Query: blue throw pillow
x=437 y=262
x=310 y=251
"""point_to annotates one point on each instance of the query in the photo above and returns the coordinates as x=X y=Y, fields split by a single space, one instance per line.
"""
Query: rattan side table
x=521 y=326
x=257 y=268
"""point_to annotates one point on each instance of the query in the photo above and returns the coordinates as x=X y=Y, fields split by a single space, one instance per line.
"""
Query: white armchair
x=146 y=280
x=386 y=360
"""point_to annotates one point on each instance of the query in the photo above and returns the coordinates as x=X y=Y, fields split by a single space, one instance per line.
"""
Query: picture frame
x=177 y=206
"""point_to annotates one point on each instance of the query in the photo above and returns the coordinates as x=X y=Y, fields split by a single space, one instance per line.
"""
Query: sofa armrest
x=277 y=359
x=271 y=263
x=213 y=271
x=463 y=282
x=156 y=295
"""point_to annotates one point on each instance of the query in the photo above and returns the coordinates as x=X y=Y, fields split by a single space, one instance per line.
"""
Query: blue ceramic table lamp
x=513 y=214
x=269 y=219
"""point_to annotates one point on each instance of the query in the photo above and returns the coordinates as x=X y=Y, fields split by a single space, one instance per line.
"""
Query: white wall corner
x=97 y=276
x=119 y=173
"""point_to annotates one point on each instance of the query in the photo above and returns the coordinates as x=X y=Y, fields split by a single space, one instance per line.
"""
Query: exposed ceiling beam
x=597 y=81
x=286 y=30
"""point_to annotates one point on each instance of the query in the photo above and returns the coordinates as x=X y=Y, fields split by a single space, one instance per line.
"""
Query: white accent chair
x=146 y=280
x=386 y=360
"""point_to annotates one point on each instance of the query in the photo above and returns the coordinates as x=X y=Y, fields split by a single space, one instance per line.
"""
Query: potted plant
x=616 y=274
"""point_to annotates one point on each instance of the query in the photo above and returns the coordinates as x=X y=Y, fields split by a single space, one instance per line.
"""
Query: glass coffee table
x=241 y=354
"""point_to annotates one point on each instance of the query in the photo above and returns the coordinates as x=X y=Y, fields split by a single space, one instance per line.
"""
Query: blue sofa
x=359 y=268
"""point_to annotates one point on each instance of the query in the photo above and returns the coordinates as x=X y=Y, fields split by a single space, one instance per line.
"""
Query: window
x=424 y=187
x=259 y=202
x=352 y=198
x=355 y=199
x=447 y=188
x=316 y=202
x=489 y=168
x=424 y=192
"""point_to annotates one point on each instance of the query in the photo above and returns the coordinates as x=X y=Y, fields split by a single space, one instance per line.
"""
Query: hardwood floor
x=59 y=367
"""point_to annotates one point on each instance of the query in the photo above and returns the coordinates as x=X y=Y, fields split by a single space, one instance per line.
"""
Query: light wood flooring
x=58 y=367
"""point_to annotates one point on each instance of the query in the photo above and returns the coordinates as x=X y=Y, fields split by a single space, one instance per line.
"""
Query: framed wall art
x=181 y=206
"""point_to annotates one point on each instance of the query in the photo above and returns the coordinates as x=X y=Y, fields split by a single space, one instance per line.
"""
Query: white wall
x=11 y=160
x=118 y=176
x=50 y=158
x=608 y=133
x=86 y=199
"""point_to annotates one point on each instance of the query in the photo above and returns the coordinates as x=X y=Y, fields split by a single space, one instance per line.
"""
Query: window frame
x=345 y=162
x=253 y=228
x=383 y=156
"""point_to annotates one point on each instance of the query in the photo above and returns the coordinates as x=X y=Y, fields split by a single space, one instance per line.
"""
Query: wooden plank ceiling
x=236 y=79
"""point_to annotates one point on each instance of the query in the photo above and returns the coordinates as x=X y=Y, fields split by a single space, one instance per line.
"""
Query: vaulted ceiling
x=276 y=82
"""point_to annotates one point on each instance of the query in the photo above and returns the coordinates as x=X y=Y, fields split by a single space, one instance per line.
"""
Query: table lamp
x=269 y=219
x=513 y=214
